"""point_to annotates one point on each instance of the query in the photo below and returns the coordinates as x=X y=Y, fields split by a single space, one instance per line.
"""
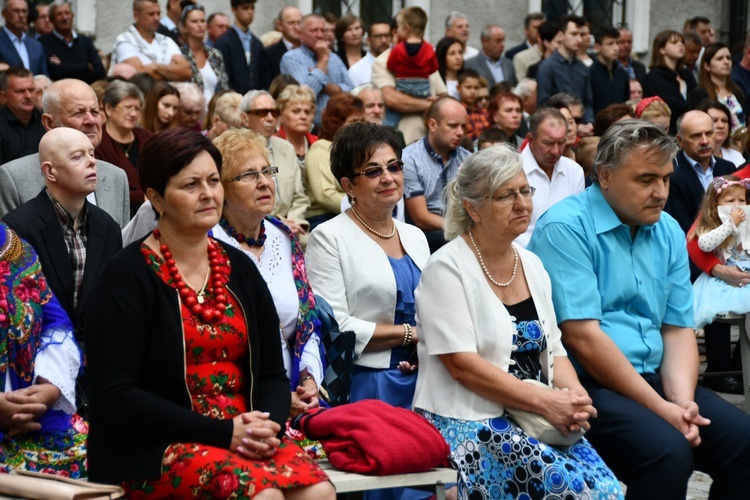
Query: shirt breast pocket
x=660 y=292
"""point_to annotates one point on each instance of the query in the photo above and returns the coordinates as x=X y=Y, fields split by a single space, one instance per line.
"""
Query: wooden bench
x=349 y=482
x=739 y=321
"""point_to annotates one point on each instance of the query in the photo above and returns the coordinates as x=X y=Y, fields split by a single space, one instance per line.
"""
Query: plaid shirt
x=75 y=241
x=477 y=120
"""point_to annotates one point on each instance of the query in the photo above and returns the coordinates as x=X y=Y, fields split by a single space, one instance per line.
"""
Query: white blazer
x=457 y=311
x=348 y=269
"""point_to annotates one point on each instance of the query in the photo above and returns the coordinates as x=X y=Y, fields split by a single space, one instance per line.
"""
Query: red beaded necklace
x=196 y=302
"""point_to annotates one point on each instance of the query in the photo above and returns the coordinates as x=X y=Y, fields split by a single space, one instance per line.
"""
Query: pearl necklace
x=376 y=233
x=487 y=272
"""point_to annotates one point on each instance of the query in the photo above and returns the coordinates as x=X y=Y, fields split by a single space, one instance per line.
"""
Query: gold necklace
x=376 y=233
x=487 y=272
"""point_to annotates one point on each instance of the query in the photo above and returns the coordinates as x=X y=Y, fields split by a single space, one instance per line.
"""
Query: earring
x=161 y=214
x=354 y=201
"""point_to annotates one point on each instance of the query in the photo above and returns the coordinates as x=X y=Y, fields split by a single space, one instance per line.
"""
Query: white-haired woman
x=486 y=322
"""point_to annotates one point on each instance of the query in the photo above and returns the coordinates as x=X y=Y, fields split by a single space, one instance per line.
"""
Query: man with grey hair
x=526 y=90
x=623 y=300
x=259 y=113
x=70 y=54
x=490 y=62
x=373 y=103
x=531 y=24
x=68 y=103
x=457 y=26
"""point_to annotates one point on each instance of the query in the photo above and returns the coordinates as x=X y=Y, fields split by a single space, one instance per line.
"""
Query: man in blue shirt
x=622 y=295
x=315 y=65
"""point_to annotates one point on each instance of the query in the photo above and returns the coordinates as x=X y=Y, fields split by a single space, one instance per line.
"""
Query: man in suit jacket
x=695 y=167
x=490 y=62
x=531 y=25
x=245 y=61
x=68 y=103
x=288 y=22
x=636 y=69
x=74 y=239
x=259 y=114
x=16 y=48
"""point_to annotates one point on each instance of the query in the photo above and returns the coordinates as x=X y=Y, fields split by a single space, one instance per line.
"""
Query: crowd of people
x=491 y=224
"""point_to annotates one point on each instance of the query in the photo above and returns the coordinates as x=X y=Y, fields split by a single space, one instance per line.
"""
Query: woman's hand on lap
x=254 y=435
x=304 y=398
x=569 y=411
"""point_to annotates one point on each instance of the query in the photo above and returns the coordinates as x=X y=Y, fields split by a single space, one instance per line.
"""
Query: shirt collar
x=289 y=45
x=58 y=35
x=605 y=218
x=64 y=216
x=168 y=23
x=697 y=166
x=13 y=37
x=527 y=156
x=241 y=33
x=435 y=155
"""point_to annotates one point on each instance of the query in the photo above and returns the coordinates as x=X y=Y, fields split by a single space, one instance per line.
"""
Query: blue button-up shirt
x=705 y=176
x=300 y=63
x=246 y=38
x=632 y=286
x=20 y=45
x=557 y=74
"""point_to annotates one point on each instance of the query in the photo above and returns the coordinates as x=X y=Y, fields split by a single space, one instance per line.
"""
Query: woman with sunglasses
x=122 y=138
x=367 y=264
x=206 y=63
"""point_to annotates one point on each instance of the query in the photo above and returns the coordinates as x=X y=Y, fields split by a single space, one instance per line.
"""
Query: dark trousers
x=719 y=356
x=655 y=460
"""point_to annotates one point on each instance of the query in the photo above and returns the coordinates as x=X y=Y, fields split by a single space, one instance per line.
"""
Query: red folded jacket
x=373 y=437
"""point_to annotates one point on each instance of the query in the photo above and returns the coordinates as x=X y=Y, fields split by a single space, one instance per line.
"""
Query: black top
x=135 y=353
x=662 y=81
x=17 y=139
x=80 y=60
x=609 y=86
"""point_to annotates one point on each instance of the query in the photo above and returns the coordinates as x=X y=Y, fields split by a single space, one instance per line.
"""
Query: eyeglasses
x=129 y=109
x=509 y=198
x=374 y=172
x=262 y=112
x=254 y=175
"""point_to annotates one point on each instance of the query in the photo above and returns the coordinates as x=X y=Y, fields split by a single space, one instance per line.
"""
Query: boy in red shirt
x=412 y=60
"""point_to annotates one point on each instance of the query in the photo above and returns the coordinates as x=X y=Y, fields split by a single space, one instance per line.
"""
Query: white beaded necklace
x=376 y=233
x=487 y=272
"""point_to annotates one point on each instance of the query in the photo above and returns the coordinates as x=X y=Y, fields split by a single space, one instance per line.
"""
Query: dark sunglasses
x=374 y=172
x=262 y=112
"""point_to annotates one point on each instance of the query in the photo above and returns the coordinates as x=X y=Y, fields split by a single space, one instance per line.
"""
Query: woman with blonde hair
x=654 y=110
x=297 y=107
x=226 y=114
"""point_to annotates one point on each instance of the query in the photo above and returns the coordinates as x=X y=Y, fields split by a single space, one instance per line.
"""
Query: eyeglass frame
x=509 y=197
x=381 y=169
x=129 y=109
x=269 y=172
x=275 y=112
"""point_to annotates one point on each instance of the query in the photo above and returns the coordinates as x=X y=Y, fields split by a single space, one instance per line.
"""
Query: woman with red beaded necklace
x=189 y=384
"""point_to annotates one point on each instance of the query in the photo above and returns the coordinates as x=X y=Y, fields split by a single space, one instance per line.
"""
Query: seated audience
x=161 y=108
x=226 y=114
x=154 y=415
x=279 y=83
x=20 y=122
x=654 y=110
x=572 y=110
x=486 y=322
x=723 y=127
x=38 y=424
x=41 y=82
x=585 y=153
x=297 y=108
x=715 y=82
x=192 y=105
x=249 y=189
x=668 y=78
x=206 y=63
x=506 y=114
x=70 y=54
x=476 y=118
x=623 y=300
x=322 y=188
x=259 y=113
x=122 y=138
x=636 y=89
x=146 y=50
x=491 y=137
x=73 y=104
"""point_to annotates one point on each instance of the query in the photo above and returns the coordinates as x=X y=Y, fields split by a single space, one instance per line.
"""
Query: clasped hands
x=21 y=409
x=254 y=435
x=685 y=416
x=304 y=398
x=569 y=410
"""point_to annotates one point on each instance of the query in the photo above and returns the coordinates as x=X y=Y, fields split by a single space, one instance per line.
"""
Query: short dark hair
x=164 y=155
x=563 y=100
x=708 y=103
x=369 y=28
x=606 y=32
x=572 y=18
x=692 y=36
x=695 y=21
x=356 y=142
x=493 y=135
x=433 y=110
x=533 y=16
x=609 y=115
x=237 y=3
x=17 y=71
x=497 y=101
x=467 y=73
x=214 y=15
x=548 y=30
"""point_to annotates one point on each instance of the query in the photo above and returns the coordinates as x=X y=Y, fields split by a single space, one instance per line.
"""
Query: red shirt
x=422 y=65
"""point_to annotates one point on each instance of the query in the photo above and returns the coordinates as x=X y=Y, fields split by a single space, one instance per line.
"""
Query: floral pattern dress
x=28 y=314
x=217 y=355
